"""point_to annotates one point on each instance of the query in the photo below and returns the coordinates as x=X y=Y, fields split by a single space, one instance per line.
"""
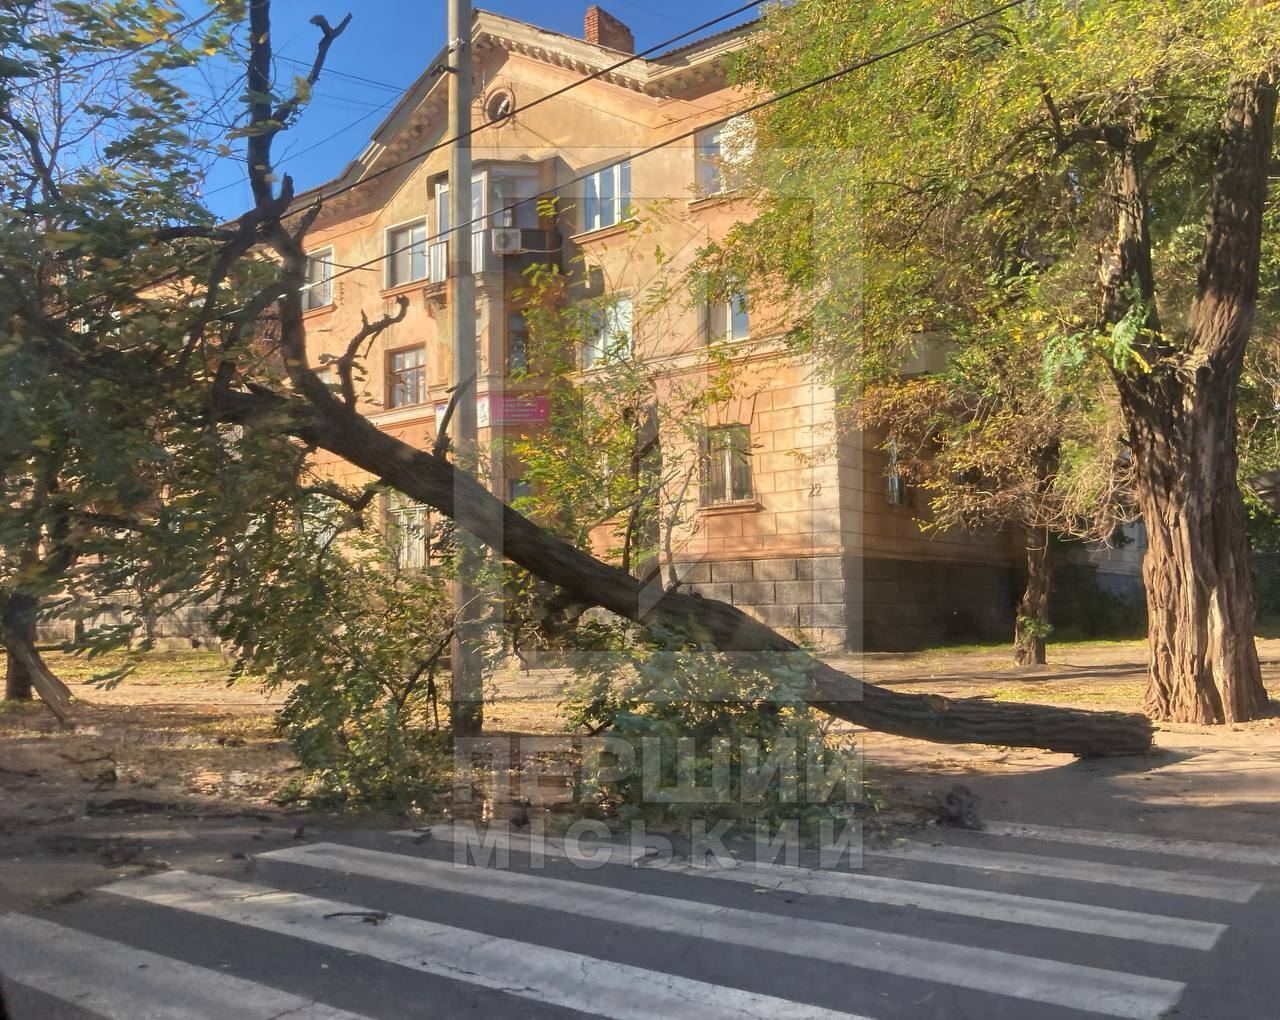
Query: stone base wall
x=180 y=627
x=911 y=604
x=805 y=595
x=872 y=604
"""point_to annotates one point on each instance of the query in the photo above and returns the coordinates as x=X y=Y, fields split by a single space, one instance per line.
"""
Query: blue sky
x=390 y=42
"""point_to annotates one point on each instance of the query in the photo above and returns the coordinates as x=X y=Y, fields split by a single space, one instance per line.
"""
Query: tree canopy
x=1106 y=161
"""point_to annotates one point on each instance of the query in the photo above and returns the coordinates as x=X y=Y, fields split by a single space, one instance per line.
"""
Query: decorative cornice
x=423 y=104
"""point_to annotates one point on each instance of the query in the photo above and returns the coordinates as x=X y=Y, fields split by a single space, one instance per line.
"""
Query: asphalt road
x=1009 y=924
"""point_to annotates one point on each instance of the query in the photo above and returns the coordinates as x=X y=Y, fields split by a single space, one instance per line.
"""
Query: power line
x=762 y=104
x=542 y=99
x=788 y=94
x=344 y=74
x=489 y=123
x=539 y=101
x=300 y=152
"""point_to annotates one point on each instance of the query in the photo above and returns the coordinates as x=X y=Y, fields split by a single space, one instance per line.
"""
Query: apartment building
x=800 y=523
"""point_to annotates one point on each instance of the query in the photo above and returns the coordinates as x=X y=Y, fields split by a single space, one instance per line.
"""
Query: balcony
x=535 y=246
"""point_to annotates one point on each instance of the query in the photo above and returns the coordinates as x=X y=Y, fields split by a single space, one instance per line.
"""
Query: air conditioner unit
x=507 y=241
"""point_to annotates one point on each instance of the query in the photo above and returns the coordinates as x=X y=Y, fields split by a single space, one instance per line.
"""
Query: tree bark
x=18 y=635
x=1032 y=624
x=1180 y=412
x=19 y=621
x=323 y=421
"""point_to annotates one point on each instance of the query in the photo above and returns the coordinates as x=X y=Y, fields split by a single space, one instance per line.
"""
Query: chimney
x=603 y=29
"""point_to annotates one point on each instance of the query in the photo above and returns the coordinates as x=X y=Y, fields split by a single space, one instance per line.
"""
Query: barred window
x=408 y=532
x=726 y=465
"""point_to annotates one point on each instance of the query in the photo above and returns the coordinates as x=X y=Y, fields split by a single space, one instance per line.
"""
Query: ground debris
x=112 y=852
x=958 y=809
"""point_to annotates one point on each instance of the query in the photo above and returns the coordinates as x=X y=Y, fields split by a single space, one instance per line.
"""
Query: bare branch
x=369 y=332
x=440 y=448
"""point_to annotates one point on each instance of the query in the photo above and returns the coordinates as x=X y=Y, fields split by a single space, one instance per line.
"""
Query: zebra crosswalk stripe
x=119 y=982
x=1235 y=853
x=1046 y=981
x=1008 y=908
x=553 y=976
x=1175 y=883
x=1058 y=915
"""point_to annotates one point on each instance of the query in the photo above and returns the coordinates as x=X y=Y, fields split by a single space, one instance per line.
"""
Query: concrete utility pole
x=466 y=702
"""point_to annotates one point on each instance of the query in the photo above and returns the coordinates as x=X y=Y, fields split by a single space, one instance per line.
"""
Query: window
x=407 y=254
x=726 y=465
x=500 y=105
x=477 y=206
x=513 y=200
x=518 y=488
x=609 y=332
x=406 y=377
x=606 y=196
x=721 y=155
x=328 y=374
x=517 y=344
x=408 y=532
x=897 y=493
x=318 y=291
x=729 y=320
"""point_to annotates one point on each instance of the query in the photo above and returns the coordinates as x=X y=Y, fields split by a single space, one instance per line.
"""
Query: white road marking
x=553 y=976
x=1024 y=977
x=1058 y=915
x=1235 y=853
x=122 y=983
x=597 y=852
x=1177 y=883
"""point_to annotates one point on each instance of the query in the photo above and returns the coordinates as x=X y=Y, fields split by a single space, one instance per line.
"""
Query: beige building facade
x=800 y=523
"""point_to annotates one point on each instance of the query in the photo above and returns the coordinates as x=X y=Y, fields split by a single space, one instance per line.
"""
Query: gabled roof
x=403 y=131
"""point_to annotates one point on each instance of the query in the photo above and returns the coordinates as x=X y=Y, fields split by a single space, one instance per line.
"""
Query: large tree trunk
x=20 y=623
x=1204 y=664
x=1180 y=408
x=1032 y=624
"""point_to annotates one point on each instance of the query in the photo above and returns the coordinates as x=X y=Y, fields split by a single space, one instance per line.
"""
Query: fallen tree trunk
x=323 y=420
x=330 y=425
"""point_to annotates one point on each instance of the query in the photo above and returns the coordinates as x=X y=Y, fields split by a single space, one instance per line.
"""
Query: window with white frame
x=318 y=290
x=443 y=221
x=721 y=154
x=609 y=332
x=729 y=320
x=407 y=253
x=726 y=465
x=606 y=196
x=406 y=377
x=408 y=532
